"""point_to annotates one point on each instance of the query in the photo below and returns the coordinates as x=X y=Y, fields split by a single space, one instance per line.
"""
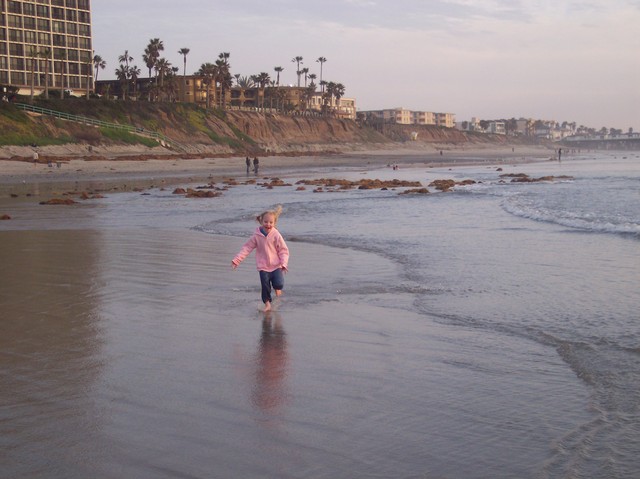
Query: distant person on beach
x=248 y=162
x=272 y=255
x=35 y=157
x=256 y=165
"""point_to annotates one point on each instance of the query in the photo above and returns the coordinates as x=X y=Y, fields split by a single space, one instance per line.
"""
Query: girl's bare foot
x=278 y=292
x=267 y=306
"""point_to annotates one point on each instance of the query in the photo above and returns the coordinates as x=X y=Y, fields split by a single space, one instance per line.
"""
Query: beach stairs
x=163 y=140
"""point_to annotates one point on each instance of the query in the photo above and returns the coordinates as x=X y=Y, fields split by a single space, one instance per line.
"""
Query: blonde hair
x=275 y=212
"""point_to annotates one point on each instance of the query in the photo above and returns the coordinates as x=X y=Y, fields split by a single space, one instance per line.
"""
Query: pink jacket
x=271 y=251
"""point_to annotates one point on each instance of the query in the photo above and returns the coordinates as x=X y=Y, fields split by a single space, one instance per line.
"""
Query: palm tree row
x=217 y=79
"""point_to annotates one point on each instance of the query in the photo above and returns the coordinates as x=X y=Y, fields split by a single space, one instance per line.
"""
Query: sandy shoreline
x=122 y=174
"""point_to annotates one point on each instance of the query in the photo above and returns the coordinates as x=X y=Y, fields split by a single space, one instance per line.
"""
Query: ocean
x=486 y=332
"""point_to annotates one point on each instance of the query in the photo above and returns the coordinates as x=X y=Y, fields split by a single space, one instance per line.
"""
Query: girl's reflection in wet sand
x=269 y=392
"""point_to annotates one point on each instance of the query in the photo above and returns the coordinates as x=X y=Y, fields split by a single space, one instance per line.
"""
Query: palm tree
x=207 y=71
x=307 y=94
x=46 y=54
x=305 y=72
x=126 y=58
x=98 y=64
x=262 y=80
x=313 y=77
x=134 y=74
x=321 y=61
x=148 y=60
x=184 y=52
x=278 y=70
x=34 y=56
x=338 y=92
x=170 y=87
x=223 y=76
x=298 y=60
x=244 y=81
x=152 y=54
x=163 y=68
x=327 y=96
x=122 y=74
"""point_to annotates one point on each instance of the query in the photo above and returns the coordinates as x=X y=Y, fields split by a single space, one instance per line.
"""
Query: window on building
x=84 y=30
x=72 y=29
x=44 y=38
x=43 y=25
x=73 y=55
x=18 y=78
x=30 y=37
x=84 y=17
x=28 y=9
x=14 y=21
x=42 y=11
x=59 y=40
x=17 y=63
x=16 y=49
x=14 y=7
x=29 y=23
x=72 y=16
x=15 y=36
x=57 y=13
x=83 y=4
x=57 y=27
x=72 y=4
x=59 y=3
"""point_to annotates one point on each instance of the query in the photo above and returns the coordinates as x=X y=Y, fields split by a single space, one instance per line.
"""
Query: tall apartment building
x=46 y=43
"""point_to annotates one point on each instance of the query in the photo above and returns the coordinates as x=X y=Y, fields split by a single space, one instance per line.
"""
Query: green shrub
x=124 y=136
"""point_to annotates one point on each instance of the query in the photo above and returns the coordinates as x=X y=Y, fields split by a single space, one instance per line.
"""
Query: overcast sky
x=543 y=59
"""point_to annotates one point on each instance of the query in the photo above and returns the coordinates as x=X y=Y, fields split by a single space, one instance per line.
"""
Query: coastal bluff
x=190 y=131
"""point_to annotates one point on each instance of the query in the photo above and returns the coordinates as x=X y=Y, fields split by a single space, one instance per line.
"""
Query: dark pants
x=273 y=279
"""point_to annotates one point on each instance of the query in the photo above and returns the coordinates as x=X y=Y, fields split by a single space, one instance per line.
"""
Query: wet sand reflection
x=50 y=348
x=270 y=393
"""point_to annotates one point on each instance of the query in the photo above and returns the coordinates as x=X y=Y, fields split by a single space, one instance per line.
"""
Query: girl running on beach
x=272 y=254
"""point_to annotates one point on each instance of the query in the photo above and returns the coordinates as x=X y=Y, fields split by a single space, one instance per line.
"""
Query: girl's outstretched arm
x=247 y=248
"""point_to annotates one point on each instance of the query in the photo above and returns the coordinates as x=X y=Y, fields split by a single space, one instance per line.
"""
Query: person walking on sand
x=248 y=162
x=272 y=255
x=256 y=165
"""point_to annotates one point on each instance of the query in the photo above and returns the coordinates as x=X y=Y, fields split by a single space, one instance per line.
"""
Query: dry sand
x=122 y=174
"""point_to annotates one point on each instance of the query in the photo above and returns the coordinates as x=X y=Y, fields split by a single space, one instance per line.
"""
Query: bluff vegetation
x=193 y=130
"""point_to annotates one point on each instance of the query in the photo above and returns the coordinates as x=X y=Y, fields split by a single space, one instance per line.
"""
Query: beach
x=486 y=332
x=119 y=173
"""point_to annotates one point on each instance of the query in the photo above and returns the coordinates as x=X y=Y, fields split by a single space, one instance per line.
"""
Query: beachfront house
x=403 y=116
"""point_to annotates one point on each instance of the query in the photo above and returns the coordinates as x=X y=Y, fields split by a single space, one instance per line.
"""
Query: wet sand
x=138 y=353
x=129 y=348
x=24 y=178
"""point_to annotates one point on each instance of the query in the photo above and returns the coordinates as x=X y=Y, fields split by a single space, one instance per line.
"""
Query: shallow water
x=471 y=334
